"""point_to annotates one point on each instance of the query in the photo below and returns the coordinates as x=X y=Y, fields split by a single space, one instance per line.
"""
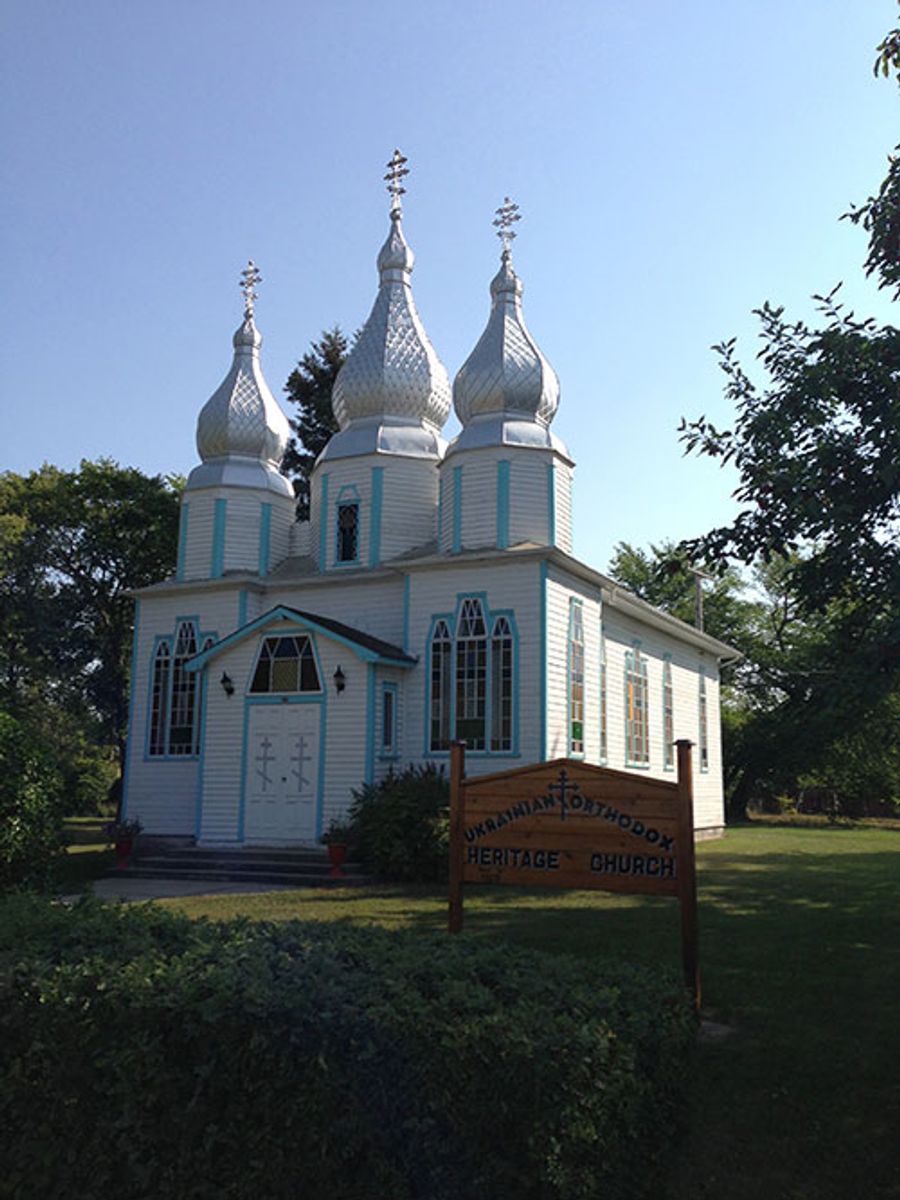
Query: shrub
x=242 y=1060
x=402 y=824
x=30 y=809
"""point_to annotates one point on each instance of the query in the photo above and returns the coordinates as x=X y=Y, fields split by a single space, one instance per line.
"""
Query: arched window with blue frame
x=173 y=727
x=471 y=692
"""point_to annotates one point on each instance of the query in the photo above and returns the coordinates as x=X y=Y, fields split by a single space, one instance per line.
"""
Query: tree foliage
x=30 y=808
x=72 y=544
x=309 y=386
x=817 y=449
x=880 y=215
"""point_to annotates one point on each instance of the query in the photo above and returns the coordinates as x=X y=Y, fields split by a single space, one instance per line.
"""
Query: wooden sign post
x=569 y=824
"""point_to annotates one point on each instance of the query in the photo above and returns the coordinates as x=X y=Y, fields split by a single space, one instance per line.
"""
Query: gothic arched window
x=174 y=725
x=576 y=678
x=668 y=717
x=472 y=680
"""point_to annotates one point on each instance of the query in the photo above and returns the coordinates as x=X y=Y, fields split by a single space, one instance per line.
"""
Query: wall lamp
x=340 y=680
x=227 y=685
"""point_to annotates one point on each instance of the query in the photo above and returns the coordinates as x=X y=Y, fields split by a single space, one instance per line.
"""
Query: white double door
x=282 y=772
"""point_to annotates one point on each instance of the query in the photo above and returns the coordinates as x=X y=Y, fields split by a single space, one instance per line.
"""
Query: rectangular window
x=576 y=678
x=668 y=718
x=348 y=532
x=389 y=719
x=501 y=686
x=637 y=727
x=603 y=731
x=703 y=731
x=471 y=671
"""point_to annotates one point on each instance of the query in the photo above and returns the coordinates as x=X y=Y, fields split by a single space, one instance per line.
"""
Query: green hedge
x=144 y=1056
x=401 y=825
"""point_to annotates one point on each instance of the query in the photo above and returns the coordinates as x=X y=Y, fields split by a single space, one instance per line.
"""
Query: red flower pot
x=337 y=852
x=124 y=848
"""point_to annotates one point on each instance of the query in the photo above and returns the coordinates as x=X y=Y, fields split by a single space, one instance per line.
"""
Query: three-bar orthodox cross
x=396 y=170
x=250 y=277
x=507 y=215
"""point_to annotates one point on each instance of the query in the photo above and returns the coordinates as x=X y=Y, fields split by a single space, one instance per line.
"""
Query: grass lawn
x=800 y=952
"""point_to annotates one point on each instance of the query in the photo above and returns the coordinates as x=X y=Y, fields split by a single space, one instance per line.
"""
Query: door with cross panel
x=282 y=772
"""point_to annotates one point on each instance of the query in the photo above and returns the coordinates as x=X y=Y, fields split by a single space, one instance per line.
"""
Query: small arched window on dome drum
x=501 y=686
x=440 y=685
x=159 y=698
x=347 y=549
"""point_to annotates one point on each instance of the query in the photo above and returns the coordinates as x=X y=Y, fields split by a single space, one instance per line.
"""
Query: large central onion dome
x=392 y=394
x=241 y=431
x=506 y=392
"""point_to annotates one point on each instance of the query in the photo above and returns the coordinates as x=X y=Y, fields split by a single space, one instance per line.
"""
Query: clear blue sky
x=675 y=164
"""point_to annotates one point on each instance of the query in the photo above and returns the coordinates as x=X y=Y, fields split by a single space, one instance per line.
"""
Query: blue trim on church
x=129 y=744
x=265 y=537
x=503 y=504
x=220 y=515
x=375 y=516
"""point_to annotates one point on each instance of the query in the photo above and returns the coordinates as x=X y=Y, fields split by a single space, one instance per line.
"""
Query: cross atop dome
x=250 y=278
x=507 y=215
x=396 y=171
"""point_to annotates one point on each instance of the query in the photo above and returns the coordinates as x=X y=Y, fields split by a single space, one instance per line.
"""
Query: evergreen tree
x=309 y=386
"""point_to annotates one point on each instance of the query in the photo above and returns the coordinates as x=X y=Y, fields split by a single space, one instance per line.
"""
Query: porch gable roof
x=364 y=645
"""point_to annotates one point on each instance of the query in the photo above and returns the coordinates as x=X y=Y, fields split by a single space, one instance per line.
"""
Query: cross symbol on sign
x=566 y=790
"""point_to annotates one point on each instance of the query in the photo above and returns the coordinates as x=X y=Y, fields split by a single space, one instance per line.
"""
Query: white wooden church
x=432 y=595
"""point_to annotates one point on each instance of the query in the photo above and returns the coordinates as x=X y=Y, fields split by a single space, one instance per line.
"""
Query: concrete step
x=285 y=865
x=185 y=860
x=296 y=879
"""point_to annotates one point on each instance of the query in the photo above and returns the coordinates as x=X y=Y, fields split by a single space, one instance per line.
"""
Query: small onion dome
x=392 y=375
x=506 y=374
x=241 y=431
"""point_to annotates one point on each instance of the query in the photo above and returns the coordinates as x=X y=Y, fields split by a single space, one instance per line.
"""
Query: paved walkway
x=158 y=889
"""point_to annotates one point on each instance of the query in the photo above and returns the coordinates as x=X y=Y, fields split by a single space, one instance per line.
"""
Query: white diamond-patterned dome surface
x=393 y=370
x=242 y=417
x=506 y=372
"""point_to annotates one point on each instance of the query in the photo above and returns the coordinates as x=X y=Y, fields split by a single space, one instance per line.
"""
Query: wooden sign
x=569 y=824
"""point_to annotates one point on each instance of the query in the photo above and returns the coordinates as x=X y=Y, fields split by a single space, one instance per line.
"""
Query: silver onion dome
x=241 y=431
x=506 y=374
x=393 y=393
